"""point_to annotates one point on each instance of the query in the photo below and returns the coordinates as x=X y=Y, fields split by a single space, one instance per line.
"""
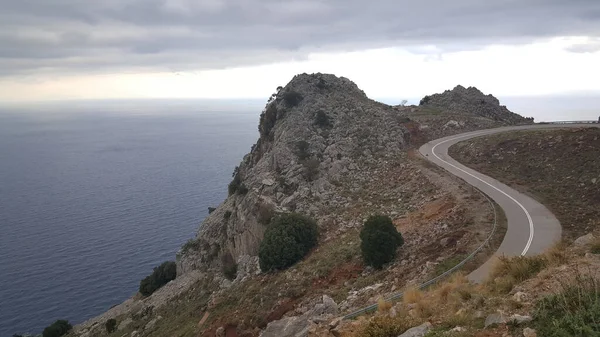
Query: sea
x=94 y=194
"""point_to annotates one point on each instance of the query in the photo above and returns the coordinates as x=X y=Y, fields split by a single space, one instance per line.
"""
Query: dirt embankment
x=560 y=168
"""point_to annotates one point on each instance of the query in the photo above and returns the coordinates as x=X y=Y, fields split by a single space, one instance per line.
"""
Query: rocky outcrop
x=418 y=331
x=470 y=100
x=314 y=132
x=299 y=326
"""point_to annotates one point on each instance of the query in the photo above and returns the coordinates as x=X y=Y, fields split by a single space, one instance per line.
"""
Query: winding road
x=532 y=228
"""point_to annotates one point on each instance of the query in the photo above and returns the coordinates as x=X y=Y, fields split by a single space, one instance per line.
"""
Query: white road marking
x=531 y=229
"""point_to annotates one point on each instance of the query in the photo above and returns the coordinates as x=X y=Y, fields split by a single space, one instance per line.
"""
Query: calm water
x=93 y=195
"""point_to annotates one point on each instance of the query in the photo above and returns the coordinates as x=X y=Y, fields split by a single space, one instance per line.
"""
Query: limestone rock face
x=314 y=133
x=470 y=100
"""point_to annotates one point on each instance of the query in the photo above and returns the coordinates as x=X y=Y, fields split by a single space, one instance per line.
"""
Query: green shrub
x=237 y=186
x=292 y=98
x=227 y=215
x=311 y=168
x=574 y=311
x=268 y=118
x=425 y=100
x=242 y=189
x=228 y=266
x=111 y=325
x=322 y=120
x=379 y=240
x=161 y=275
x=211 y=209
x=57 y=329
x=287 y=240
x=191 y=244
x=234 y=185
x=302 y=149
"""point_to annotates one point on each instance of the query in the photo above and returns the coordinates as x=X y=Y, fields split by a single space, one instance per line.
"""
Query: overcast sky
x=63 y=49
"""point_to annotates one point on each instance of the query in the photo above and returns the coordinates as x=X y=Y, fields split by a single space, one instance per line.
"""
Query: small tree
x=287 y=240
x=59 y=328
x=111 y=325
x=292 y=98
x=322 y=120
x=161 y=275
x=379 y=240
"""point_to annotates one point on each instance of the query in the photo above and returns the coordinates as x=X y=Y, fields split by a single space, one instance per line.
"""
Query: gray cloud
x=176 y=35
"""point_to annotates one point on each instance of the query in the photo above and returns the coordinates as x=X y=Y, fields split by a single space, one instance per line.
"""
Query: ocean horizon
x=94 y=194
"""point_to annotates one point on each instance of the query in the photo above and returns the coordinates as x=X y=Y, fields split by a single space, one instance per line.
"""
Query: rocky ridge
x=472 y=101
x=314 y=132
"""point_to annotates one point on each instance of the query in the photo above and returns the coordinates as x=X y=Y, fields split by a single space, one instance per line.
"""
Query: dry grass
x=383 y=305
x=509 y=271
x=385 y=326
x=454 y=291
x=412 y=295
x=558 y=254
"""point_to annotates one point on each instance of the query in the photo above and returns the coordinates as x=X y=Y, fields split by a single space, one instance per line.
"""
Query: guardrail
x=572 y=122
x=434 y=280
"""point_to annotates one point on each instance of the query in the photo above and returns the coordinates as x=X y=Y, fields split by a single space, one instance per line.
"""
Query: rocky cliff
x=327 y=151
x=315 y=132
x=472 y=101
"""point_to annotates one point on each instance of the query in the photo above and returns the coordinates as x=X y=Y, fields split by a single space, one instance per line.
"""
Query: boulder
x=268 y=182
x=519 y=319
x=495 y=318
x=584 y=240
x=330 y=307
x=529 y=332
x=520 y=296
x=288 y=327
x=418 y=331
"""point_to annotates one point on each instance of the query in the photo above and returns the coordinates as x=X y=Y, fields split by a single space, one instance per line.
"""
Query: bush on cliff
x=161 y=275
x=322 y=120
x=292 y=98
x=237 y=186
x=57 y=329
x=379 y=240
x=287 y=240
x=228 y=266
x=111 y=325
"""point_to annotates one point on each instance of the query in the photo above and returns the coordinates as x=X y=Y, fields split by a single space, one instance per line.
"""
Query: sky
x=77 y=49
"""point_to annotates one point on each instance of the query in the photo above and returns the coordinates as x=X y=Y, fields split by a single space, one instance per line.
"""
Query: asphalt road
x=532 y=228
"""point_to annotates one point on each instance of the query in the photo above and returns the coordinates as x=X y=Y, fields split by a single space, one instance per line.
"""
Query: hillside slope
x=560 y=168
x=327 y=151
